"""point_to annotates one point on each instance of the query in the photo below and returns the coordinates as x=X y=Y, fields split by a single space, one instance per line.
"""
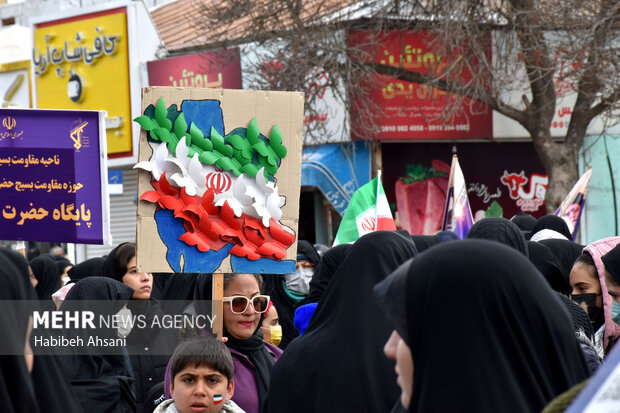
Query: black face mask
x=596 y=314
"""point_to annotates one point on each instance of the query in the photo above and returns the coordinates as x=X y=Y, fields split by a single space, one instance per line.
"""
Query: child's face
x=201 y=390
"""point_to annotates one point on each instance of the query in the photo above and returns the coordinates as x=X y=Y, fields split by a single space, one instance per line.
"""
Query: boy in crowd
x=202 y=378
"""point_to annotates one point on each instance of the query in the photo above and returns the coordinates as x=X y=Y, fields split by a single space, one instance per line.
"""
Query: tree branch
x=450 y=87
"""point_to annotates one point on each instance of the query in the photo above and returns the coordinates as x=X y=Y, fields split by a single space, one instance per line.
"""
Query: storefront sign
x=409 y=111
x=221 y=69
x=82 y=62
x=53 y=180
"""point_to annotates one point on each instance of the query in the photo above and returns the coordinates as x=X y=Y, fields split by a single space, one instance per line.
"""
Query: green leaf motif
x=275 y=142
x=202 y=143
x=242 y=151
x=160 y=115
x=253 y=132
x=494 y=210
x=146 y=123
x=195 y=132
x=250 y=169
x=219 y=145
x=164 y=135
x=229 y=164
x=180 y=129
x=209 y=157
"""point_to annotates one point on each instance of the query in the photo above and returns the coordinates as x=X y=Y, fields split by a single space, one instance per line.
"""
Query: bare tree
x=538 y=49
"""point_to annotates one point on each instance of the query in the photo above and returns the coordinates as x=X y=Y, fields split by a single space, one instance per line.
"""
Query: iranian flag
x=368 y=211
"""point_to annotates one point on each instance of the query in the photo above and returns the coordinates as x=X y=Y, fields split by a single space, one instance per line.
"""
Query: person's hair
x=586 y=259
x=228 y=277
x=57 y=250
x=124 y=254
x=202 y=350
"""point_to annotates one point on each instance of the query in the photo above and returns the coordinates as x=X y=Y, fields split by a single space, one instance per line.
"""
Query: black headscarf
x=103 y=377
x=611 y=260
x=306 y=249
x=46 y=386
x=545 y=260
x=274 y=286
x=525 y=222
x=88 y=268
x=104 y=297
x=324 y=272
x=110 y=268
x=338 y=363
x=499 y=230
x=565 y=252
x=553 y=223
x=62 y=263
x=578 y=316
x=486 y=333
x=46 y=272
x=424 y=242
x=16 y=389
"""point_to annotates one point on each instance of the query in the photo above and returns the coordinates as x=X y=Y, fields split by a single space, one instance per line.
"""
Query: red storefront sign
x=221 y=69
x=410 y=111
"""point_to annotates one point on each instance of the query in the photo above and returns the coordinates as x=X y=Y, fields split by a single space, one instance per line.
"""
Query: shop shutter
x=122 y=216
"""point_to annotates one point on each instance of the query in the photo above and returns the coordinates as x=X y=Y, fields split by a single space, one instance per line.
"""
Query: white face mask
x=300 y=281
x=125 y=322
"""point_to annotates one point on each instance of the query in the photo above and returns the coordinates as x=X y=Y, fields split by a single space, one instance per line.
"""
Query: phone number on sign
x=422 y=128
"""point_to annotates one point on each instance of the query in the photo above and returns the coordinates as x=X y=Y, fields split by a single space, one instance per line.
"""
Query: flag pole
x=377 y=198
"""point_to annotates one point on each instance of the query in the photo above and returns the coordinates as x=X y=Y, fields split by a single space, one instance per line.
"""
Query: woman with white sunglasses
x=253 y=359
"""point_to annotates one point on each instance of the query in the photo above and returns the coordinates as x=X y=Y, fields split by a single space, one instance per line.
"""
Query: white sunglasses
x=239 y=303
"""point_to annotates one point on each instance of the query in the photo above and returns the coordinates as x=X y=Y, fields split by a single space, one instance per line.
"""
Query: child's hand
x=223 y=339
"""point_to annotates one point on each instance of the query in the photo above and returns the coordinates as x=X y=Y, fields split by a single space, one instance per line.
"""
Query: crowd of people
x=516 y=317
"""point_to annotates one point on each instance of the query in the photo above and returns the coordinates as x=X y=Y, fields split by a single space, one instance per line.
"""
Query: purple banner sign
x=51 y=183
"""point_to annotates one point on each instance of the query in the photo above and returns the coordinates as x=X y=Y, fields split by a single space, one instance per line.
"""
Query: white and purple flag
x=457 y=215
x=572 y=206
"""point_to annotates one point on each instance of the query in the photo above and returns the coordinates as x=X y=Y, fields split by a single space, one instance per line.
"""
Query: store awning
x=336 y=170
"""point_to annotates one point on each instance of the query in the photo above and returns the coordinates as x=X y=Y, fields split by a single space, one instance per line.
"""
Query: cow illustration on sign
x=529 y=201
x=216 y=195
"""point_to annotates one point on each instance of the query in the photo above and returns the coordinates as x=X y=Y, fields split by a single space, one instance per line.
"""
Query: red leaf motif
x=170 y=202
x=187 y=200
x=253 y=235
x=189 y=218
x=150 y=196
x=228 y=215
x=280 y=235
x=207 y=202
x=193 y=208
x=204 y=224
x=165 y=186
x=271 y=249
x=244 y=251
x=195 y=239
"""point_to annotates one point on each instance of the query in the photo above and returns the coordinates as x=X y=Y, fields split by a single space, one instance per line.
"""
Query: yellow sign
x=83 y=63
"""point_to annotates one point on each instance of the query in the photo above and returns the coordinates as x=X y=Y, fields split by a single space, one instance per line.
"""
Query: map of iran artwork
x=219 y=180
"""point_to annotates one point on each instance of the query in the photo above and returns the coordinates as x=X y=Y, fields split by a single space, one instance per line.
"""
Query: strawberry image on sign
x=420 y=197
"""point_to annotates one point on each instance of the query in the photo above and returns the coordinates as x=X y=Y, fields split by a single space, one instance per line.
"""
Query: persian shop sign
x=51 y=186
x=81 y=63
x=221 y=69
x=409 y=110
